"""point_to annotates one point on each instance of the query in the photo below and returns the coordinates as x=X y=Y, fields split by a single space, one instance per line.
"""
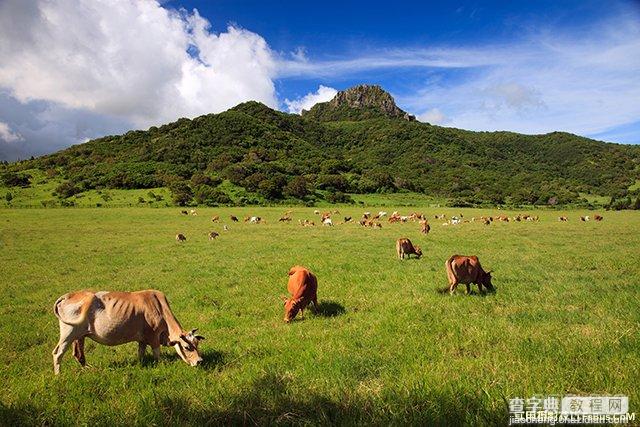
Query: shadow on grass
x=461 y=291
x=330 y=309
x=272 y=400
x=211 y=359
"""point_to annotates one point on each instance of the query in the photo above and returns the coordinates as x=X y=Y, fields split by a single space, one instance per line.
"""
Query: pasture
x=386 y=346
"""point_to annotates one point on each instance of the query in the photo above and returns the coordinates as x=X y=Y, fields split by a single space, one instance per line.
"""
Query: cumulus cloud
x=7 y=135
x=323 y=94
x=131 y=59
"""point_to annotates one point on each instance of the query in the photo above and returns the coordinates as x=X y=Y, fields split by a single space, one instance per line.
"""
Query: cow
x=597 y=217
x=180 y=238
x=405 y=247
x=381 y=214
x=327 y=221
x=254 y=220
x=347 y=219
x=583 y=219
x=184 y=212
x=215 y=218
x=467 y=270
x=316 y=212
x=234 y=218
x=424 y=226
x=225 y=228
x=193 y=212
x=114 y=318
x=213 y=235
x=285 y=218
x=563 y=219
x=303 y=290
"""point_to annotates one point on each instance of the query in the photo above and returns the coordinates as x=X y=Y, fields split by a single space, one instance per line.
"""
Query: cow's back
x=301 y=282
x=126 y=316
x=465 y=268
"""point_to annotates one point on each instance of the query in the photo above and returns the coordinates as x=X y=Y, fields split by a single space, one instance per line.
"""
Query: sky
x=74 y=70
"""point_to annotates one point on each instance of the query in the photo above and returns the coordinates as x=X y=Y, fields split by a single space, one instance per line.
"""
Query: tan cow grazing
x=597 y=217
x=467 y=270
x=424 y=226
x=303 y=288
x=114 y=318
x=215 y=218
x=405 y=247
x=563 y=219
x=213 y=235
x=180 y=238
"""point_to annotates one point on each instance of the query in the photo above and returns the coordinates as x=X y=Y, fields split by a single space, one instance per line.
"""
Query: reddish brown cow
x=405 y=247
x=597 y=217
x=425 y=227
x=303 y=288
x=467 y=270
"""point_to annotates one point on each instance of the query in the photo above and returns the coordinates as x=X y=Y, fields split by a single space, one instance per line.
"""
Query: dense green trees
x=275 y=156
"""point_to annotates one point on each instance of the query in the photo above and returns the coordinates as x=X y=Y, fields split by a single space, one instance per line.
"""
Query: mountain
x=359 y=142
x=358 y=103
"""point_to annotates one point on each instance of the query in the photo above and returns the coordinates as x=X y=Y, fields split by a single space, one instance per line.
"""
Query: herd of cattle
x=145 y=317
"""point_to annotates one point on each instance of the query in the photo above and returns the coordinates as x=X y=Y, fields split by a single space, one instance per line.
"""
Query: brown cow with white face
x=303 y=288
x=467 y=270
x=114 y=318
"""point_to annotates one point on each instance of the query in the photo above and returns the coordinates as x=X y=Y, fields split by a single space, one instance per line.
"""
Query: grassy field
x=386 y=347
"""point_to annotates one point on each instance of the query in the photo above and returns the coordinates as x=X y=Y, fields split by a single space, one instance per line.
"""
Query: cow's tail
x=450 y=274
x=84 y=310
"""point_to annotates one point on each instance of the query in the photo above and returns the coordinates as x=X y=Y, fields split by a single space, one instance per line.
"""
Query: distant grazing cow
x=225 y=228
x=184 y=212
x=563 y=219
x=486 y=221
x=285 y=218
x=597 y=217
x=467 y=270
x=316 y=212
x=114 y=318
x=303 y=290
x=215 y=218
x=234 y=218
x=405 y=247
x=213 y=235
x=327 y=221
x=455 y=220
x=425 y=227
x=254 y=220
x=583 y=219
x=180 y=238
x=193 y=212
x=347 y=219
x=381 y=214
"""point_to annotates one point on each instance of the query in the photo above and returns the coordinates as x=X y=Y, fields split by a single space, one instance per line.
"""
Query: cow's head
x=187 y=347
x=291 y=308
x=486 y=281
x=418 y=251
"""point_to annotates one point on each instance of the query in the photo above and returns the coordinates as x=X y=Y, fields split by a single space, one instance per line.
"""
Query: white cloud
x=7 y=135
x=433 y=116
x=131 y=59
x=323 y=94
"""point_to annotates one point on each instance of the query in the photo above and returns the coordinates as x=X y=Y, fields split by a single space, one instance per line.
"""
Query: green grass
x=387 y=348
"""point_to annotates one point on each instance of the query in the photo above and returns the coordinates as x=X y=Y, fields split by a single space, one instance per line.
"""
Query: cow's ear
x=199 y=337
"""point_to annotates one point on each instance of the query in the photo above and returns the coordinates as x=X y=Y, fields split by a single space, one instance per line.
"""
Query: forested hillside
x=337 y=148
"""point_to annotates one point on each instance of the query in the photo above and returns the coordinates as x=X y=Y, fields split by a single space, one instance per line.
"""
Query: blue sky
x=71 y=73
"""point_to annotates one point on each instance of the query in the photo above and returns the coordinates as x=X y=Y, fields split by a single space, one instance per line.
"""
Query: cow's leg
x=468 y=291
x=315 y=305
x=78 y=351
x=156 y=353
x=67 y=336
x=452 y=287
x=142 y=348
